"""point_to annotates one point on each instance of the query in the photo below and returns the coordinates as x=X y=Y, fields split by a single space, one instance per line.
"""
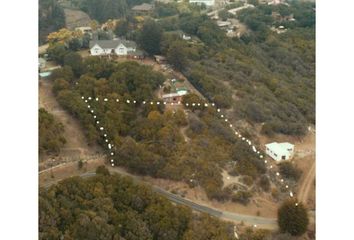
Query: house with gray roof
x=118 y=47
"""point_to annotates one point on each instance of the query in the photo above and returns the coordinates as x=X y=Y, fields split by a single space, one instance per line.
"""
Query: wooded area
x=107 y=207
x=148 y=138
x=51 y=137
x=51 y=18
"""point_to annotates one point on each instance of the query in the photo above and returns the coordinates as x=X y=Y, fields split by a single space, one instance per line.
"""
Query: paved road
x=269 y=223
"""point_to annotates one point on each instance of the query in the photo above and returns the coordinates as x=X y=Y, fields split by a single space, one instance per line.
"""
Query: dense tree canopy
x=290 y=171
x=293 y=217
x=150 y=37
x=113 y=207
x=51 y=18
x=51 y=137
x=148 y=138
x=102 y=10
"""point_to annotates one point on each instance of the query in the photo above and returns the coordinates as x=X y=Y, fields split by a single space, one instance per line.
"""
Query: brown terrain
x=76 y=147
x=76 y=18
x=305 y=155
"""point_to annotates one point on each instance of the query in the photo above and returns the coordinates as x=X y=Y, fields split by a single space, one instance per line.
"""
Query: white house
x=207 y=3
x=41 y=63
x=173 y=97
x=118 y=47
x=84 y=30
x=280 y=151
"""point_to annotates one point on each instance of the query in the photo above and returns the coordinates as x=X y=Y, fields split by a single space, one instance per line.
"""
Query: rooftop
x=279 y=147
x=143 y=7
x=223 y=23
x=112 y=43
x=171 y=95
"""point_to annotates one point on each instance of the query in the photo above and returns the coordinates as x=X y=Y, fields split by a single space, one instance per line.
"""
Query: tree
x=166 y=9
x=80 y=164
x=57 y=52
x=242 y=197
x=64 y=35
x=102 y=170
x=51 y=137
x=264 y=183
x=104 y=35
x=113 y=207
x=293 y=218
x=59 y=85
x=103 y=10
x=223 y=14
x=74 y=60
x=50 y=17
x=180 y=118
x=253 y=2
x=177 y=55
x=288 y=170
x=254 y=234
x=150 y=37
x=121 y=28
x=75 y=44
x=65 y=73
x=86 y=40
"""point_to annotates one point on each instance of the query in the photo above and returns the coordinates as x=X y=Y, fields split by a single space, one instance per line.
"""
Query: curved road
x=268 y=223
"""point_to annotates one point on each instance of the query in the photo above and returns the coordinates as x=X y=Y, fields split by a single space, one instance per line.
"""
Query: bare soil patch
x=305 y=159
x=261 y=205
x=76 y=18
x=76 y=147
x=68 y=170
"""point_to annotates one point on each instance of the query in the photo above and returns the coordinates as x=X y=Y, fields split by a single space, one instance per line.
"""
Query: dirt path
x=76 y=147
x=43 y=48
x=183 y=132
x=307 y=184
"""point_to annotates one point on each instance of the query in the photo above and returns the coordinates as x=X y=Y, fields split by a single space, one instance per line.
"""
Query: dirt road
x=76 y=146
x=47 y=181
x=307 y=184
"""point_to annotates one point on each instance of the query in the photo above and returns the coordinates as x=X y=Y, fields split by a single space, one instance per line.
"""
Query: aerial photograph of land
x=177 y=120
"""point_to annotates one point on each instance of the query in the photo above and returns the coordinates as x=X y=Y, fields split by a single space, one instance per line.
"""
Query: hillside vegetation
x=110 y=207
x=51 y=137
x=102 y=10
x=264 y=77
x=147 y=137
x=50 y=17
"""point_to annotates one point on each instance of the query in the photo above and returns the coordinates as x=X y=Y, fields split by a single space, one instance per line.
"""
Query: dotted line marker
x=218 y=110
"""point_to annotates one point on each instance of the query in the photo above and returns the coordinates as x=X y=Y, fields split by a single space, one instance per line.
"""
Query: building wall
x=121 y=50
x=97 y=51
x=173 y=99
x=206 y=2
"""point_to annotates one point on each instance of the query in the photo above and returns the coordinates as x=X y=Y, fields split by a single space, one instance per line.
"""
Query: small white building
x=41 y=63
x=84 y=30
x=207 y=3
x=280 y=151
x=118 y=47
x=186 y=37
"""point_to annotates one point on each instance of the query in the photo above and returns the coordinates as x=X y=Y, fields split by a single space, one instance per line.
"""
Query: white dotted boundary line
x=193 y=104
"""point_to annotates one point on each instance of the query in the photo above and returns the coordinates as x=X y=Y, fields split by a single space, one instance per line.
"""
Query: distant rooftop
x=143 y=7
